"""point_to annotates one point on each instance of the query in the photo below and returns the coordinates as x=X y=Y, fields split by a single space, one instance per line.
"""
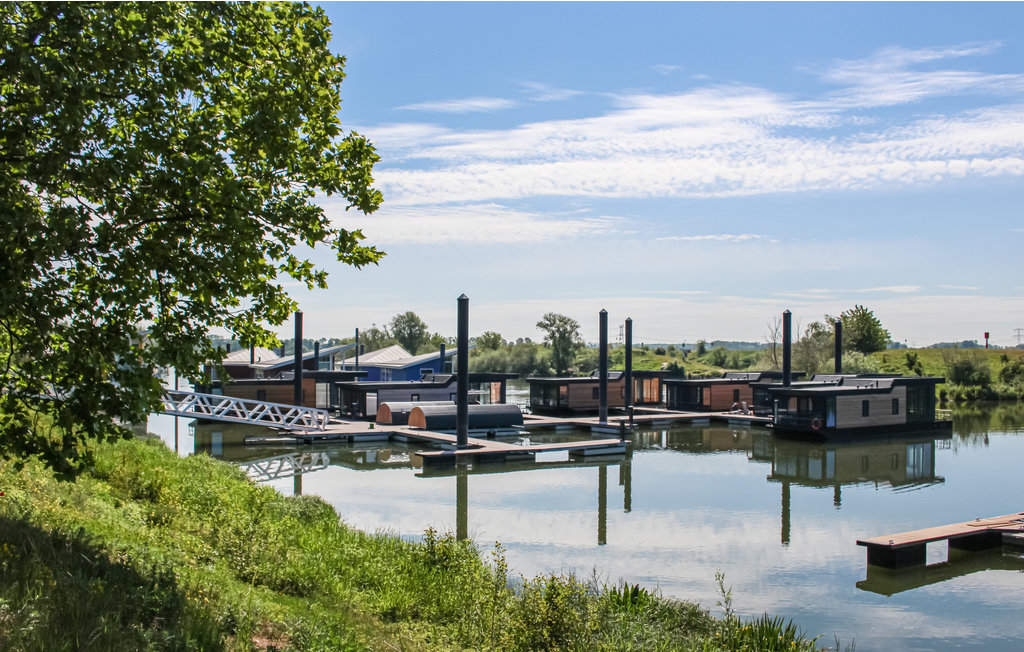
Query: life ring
x=816 y=424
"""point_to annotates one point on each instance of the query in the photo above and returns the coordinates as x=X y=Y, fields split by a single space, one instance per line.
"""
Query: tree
x=374 y=338
x=862 y=331
x=562 y=334
x=489 y=340
x=409 y=331
x=159 y=168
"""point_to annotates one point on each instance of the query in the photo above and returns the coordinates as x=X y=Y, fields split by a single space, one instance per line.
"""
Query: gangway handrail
x=217 y=407
x=284 y=466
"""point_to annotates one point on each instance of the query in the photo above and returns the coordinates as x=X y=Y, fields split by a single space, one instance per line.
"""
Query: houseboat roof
x=241 y=356
x=734 y=377
x=833 y=385
x=282 y=361
x=594 y=377
x=387 y=354
x=428 y=380
x=408 y=360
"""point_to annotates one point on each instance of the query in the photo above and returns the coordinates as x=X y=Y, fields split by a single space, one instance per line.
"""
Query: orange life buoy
x=816 y=424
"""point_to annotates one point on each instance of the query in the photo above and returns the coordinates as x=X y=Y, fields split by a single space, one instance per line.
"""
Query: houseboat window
x=563 y=395
x=385 y=375
x=735 y=396
x=261 y=394
x=865 y=408
x=895 y=406
x=597 y=392
x=414 y=397
x=895 y=461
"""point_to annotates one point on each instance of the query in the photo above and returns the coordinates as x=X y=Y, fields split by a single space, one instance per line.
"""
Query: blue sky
x=697 y=167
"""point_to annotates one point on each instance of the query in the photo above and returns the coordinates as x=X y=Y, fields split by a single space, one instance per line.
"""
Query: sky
x=698 y=168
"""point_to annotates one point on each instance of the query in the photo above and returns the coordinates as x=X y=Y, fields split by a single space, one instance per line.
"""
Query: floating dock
x=479 y=450
x=907 y=549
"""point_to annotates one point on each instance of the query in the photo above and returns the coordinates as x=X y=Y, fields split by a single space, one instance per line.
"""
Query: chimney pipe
x=839 y=346
x=787 y=348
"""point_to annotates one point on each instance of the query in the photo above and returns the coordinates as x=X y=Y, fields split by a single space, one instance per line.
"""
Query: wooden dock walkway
x=479 y=449
x=907 y=549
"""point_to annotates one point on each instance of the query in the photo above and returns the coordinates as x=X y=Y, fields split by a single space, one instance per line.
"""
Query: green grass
x=931 y=362
x=147 y=551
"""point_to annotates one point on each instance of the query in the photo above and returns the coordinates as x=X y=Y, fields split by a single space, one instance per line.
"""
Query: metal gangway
x=285 y=466
x=216 y=407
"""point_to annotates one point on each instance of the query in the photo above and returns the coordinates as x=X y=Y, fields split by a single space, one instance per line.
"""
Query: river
x=779 y=518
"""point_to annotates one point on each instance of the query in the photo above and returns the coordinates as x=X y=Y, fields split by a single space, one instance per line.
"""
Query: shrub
x=966 y=367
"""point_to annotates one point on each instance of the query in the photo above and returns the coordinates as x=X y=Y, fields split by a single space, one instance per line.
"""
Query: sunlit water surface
x=780 y=518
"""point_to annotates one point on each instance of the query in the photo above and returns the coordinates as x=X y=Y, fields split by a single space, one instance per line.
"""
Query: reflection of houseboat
x=569 y=395
x=896 y=463
x=734 y=388
x=836 y=405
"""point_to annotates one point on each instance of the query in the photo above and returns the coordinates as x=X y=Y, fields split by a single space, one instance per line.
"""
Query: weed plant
x=147 y=551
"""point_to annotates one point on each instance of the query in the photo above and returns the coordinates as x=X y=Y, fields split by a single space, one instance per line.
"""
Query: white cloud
x=720 y=141
x=896 y=289
x=464 y=105
x=968 y=288
x=720 y=237
x=540 y=92
x=665 y=68
x=889 y=76
x=478 y=223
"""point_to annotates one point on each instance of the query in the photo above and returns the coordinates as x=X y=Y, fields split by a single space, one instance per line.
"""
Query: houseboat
x=735 y=390
x=582 y=394
x=360 y=399
x=838 y=405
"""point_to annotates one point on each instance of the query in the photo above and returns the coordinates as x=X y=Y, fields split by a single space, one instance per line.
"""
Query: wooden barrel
x=396 y=413
x=481 y=417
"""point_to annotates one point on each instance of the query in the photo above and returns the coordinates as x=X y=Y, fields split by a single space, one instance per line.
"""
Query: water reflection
x=780 y=517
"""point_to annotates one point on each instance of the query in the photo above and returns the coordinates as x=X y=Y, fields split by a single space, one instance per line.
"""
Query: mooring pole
x=787 y=348
x=461 y=502
x=462 y=392
x=316 y=354
x=602 y=367
x=602 y=505
x=357 y=349
x=839 y=347
x=629 y=369
x=298 y=357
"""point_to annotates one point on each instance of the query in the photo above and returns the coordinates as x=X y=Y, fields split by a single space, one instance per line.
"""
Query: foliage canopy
x=410 y=331
x=562 y=334
x=160 y=162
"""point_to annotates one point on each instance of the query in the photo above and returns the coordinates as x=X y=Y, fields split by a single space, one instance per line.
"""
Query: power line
x=1019 y=332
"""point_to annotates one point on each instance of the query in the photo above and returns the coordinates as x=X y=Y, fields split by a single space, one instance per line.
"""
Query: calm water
x=779 y=518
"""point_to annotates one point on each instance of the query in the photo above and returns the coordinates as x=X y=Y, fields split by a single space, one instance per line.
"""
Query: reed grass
x=147 y=551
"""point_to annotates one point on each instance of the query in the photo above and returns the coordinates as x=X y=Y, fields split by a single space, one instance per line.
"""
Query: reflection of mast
x=602 y=504
x=785 y=512
x=461 y=502
x=626 y=482
x=297 y=485
x=837 y=495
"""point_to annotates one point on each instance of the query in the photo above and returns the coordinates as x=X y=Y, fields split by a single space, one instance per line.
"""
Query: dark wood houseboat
x=734 y=390
x=839 y=405
x=581 y=394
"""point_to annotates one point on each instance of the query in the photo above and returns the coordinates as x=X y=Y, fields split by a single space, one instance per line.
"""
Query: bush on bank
x=150 y=551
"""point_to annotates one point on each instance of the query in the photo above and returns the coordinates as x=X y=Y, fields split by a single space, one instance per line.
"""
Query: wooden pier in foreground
x=907 y=549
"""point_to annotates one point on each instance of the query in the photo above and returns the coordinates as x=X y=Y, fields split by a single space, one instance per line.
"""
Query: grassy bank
x=149 y=551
